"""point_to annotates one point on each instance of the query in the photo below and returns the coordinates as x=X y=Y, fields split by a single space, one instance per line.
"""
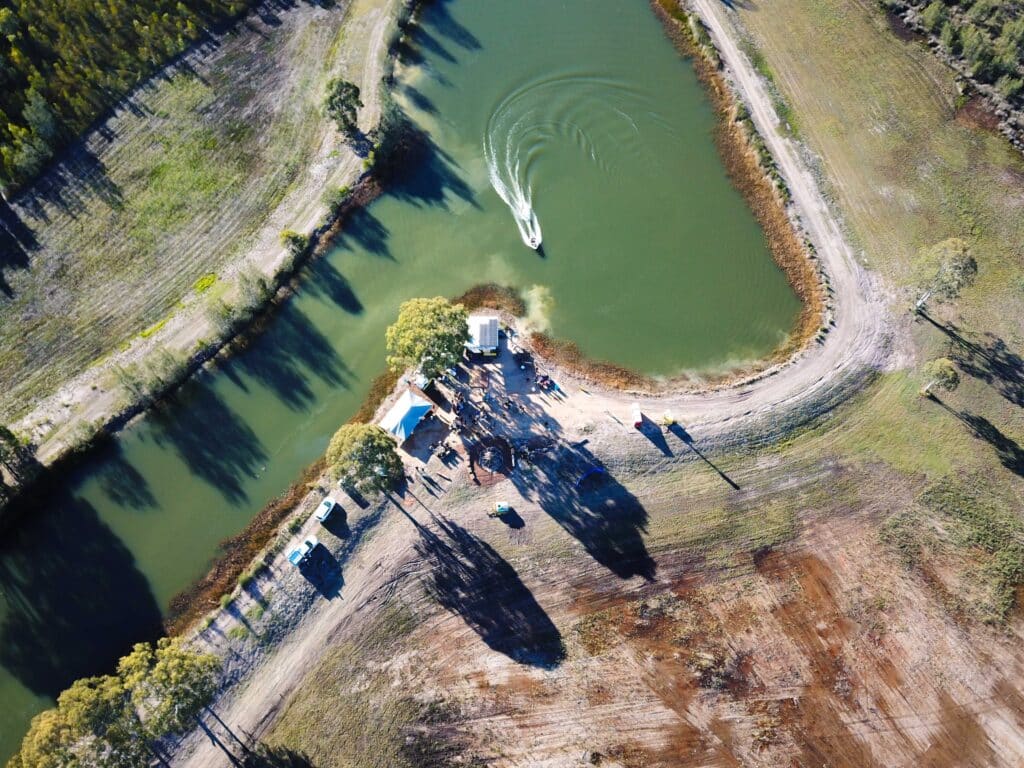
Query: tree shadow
x=471 y=579
x=74 y=599
x=212 y=440
x=123 y=483
x=77 y=177
x=438 y=18
x=365 y=231
x=323 y=571
x=1008 y=450
x=677 y=429
x=422 y=40
x=1010 y=454
x=418 y=100
x=266 y=756
x=288 y=359
x=325 y=281
x=416 y=170
x=17 y=241
x=989 y=360
x=602 y=514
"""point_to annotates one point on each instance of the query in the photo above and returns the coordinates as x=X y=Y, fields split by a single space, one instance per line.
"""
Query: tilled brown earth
x=825 y=653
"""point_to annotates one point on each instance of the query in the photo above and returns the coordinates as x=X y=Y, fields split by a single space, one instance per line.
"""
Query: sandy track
x=812 y=382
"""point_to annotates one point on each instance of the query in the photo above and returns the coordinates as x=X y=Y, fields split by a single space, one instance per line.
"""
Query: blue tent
x=405 y=415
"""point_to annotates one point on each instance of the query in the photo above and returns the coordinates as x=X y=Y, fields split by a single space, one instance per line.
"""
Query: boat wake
x=567 y=108
x=508 y=176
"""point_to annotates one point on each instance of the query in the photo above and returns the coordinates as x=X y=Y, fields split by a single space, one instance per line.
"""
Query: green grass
x=204 y=283
x=154 y=328
x=979 y=535
x=349 y=711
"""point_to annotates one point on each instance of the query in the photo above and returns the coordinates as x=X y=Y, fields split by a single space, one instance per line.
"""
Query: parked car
x=299 y=554
x=500 y=508
x=324 y=510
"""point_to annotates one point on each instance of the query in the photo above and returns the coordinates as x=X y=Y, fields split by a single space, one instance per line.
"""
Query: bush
x=334 y=199
x=943 y=373
x=935 y=16
x=295 y=242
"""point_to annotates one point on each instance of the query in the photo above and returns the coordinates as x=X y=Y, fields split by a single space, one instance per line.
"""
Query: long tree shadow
x=212 y=440
x=439 y=19
x=76 y=178
x=471 y=579
x=74 y=600
x=325 y=281
x=364 y=230
x=601 y=513
x=123 y=483
x=1008 y=450
x=989 y=360
x=1010 y=454
x=288 y=357
x=415 y=170
x=17 y=241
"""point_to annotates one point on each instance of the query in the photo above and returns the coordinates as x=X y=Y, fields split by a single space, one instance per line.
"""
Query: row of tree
x=430 y=336
x=116 y=721
x=64 y=62
x=989 y=34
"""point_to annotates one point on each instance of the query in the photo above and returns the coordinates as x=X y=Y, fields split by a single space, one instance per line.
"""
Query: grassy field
x=910 y=172
x=200 y=168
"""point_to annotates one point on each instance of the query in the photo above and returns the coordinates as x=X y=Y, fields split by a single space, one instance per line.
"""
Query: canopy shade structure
x=483 y=334
x=405 y=415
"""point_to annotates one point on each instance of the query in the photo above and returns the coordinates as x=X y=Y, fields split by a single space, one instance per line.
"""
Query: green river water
x=589 y=121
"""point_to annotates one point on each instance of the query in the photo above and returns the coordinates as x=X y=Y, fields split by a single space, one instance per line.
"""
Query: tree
x=365 y=456
x=111 y=721
x=934 y=16
x=294 y=241
x=104 y=727
x=430 y=334
x=169 y=684
x=943 y=373
x=957 y=271
x=342 y=105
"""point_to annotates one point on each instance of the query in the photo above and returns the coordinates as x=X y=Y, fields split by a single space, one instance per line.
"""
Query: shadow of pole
x=687 y=439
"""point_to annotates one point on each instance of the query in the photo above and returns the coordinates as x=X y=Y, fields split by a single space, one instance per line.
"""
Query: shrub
x=204 y=283
x=943 y=373
x=334 y=199
x=935 y=16
x=295 y=242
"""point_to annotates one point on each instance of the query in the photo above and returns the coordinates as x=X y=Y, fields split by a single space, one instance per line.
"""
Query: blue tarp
x=405 y=414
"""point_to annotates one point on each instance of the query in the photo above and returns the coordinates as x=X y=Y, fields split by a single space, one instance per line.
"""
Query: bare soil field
x=190 y=181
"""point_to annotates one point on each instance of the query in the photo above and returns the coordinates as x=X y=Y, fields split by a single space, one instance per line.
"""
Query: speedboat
x=534 y=243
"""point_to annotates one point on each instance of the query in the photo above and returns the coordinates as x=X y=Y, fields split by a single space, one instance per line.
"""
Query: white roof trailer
x=483 y=335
